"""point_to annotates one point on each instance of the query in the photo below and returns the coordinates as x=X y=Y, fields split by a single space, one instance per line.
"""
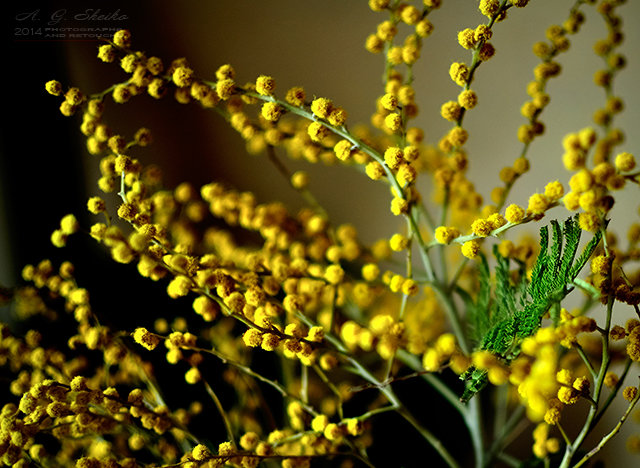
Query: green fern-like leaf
x=541 y=262
x=552 y=278
x=504 y=291
x=555 y=273
x=478 y=315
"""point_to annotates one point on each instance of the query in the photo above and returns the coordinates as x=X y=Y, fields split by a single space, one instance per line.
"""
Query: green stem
x=423 y=248
x=473 y=420
x=441 y=248
x=122 y=193
x=427 y=216
x=572 y=448
x=506 y=430
x=304 y=378
x=452 y=314
x=456 y=276
x=391 y=360
x=403 y=308
x=360 y=370
x=613 y=432
x=362 y=146
x=501 y=404
x=586 y=361
x=414 y=363
x=613 y=394
x=435 y=443
x=564 y=434
x=331 y=387
x=509 y=460
x=223 y=413
x=374 y=412
x=247 y=370
x=402 y=411
x=471 y=413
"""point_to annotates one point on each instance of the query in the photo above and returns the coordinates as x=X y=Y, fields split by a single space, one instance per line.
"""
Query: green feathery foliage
x=496 y=323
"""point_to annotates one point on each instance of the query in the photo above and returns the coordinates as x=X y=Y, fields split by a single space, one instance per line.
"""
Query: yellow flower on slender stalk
x=296 y=308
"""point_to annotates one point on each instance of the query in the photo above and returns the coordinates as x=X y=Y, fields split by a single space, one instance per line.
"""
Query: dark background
x=45 y=171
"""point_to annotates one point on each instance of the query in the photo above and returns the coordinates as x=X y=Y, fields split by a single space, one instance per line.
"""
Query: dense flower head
x=271 y=301
x=265 y=85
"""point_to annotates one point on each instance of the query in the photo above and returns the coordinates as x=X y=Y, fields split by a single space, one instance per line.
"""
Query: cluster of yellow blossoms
x=293 y=305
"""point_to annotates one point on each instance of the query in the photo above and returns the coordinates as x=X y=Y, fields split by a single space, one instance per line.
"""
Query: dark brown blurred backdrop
x=45 y=172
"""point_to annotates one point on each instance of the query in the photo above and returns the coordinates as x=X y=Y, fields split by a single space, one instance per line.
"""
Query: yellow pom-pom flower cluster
x=294 y=305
